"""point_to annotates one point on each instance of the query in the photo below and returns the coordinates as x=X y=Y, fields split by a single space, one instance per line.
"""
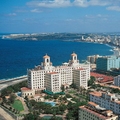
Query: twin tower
x=47 y=64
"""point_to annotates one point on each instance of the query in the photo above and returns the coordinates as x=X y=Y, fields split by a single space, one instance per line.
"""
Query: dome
x=73 y=54
x=46 y=56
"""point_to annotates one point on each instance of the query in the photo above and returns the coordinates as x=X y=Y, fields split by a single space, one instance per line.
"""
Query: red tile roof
x=101 y=78
x=95 y=93
x=25 y=88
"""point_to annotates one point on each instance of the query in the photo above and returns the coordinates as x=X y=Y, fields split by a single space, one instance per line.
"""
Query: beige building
x=80 y=77
x=93 y=111
x=92 y=59
x=53 y=82
x=27 y=92
x=37 y=76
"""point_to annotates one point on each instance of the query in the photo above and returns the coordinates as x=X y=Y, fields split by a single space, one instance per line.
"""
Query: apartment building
x=93 y=111
x=117 y=81
x=106 y=100
x=106 y=63
x=92 y=59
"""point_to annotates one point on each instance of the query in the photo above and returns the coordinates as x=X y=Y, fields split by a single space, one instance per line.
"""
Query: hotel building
x=93 y=111
x=80 y=77
x=39 y=76
x=53 y=82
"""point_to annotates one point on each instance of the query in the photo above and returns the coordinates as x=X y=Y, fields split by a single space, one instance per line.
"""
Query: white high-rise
x=80 y=77
x=53 y=82
x=36 y=76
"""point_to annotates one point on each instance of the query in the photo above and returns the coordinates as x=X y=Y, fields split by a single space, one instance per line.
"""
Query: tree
x=55 y=118
x=12 y=98
x=73 y=85
x=62 y=88
x=32 y=116
x=91 y=81
x=55 y=96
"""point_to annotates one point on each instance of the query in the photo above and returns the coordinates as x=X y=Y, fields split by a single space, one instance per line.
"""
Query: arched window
x=75 y=58
x=47 y=60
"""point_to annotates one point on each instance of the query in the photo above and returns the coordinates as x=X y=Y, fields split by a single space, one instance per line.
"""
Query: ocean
x=18 y=56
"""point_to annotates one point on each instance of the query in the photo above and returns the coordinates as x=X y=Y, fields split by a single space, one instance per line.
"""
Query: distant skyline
x=47 y=16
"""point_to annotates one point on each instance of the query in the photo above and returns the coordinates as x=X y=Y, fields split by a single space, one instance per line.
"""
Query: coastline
x=21 y=63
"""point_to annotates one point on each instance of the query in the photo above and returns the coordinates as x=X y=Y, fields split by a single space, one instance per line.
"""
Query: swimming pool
x=19 y=94
x=51 y=103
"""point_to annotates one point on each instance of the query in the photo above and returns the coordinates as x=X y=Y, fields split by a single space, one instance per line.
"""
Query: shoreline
x=109 y=45
x=13 y=78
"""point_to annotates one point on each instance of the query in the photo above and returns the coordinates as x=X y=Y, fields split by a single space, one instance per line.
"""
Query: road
x=4 y=115
x=8 y=82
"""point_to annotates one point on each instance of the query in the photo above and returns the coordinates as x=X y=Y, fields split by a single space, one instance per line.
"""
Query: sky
x=48 y=16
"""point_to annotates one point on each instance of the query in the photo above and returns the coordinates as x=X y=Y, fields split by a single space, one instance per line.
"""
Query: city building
x=80 y=78
x=107 y=63
x=92 y=59
x=27 y=92
x=116 y=52
x=117 y=80
x=101 y=78
x=106 y=100
x=53 y=82
x=93 y=111
x=37 y=79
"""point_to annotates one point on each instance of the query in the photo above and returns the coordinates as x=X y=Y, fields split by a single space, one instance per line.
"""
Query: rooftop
x=95 y=93
x=73 y=54
x=113 y=97
x=46 y=56
x=101 y=78
x=53 y=73
x=25 y=88
x=93 y=104
x=103 y=115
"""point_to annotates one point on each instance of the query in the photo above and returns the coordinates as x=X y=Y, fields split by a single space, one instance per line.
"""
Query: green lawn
x=72 y=91
x=18 y=105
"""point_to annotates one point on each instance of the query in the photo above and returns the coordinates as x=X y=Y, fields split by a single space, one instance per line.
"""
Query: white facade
x=106 y=100
x=91 y=112
x=92 y=59
x=27 y=92
x=117 y=80
x=116 y=52
x=80 y=77
x=53 y=82
x=36 y=76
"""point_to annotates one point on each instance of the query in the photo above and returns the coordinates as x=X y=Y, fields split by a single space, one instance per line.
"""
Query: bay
x=18 y=56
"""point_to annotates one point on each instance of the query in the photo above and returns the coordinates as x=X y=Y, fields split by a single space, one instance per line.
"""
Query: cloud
x=36 y=11
x=115 y=8
x=12 y=14
x=109 y=4
x=66 y=3
x=50 y=3
x=97 y=17
x=86 y=3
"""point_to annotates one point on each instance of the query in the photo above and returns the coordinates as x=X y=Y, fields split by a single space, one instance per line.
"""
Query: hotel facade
x=49 y=77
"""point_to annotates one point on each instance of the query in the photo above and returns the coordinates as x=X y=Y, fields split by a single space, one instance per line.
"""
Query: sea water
x=18 y=56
